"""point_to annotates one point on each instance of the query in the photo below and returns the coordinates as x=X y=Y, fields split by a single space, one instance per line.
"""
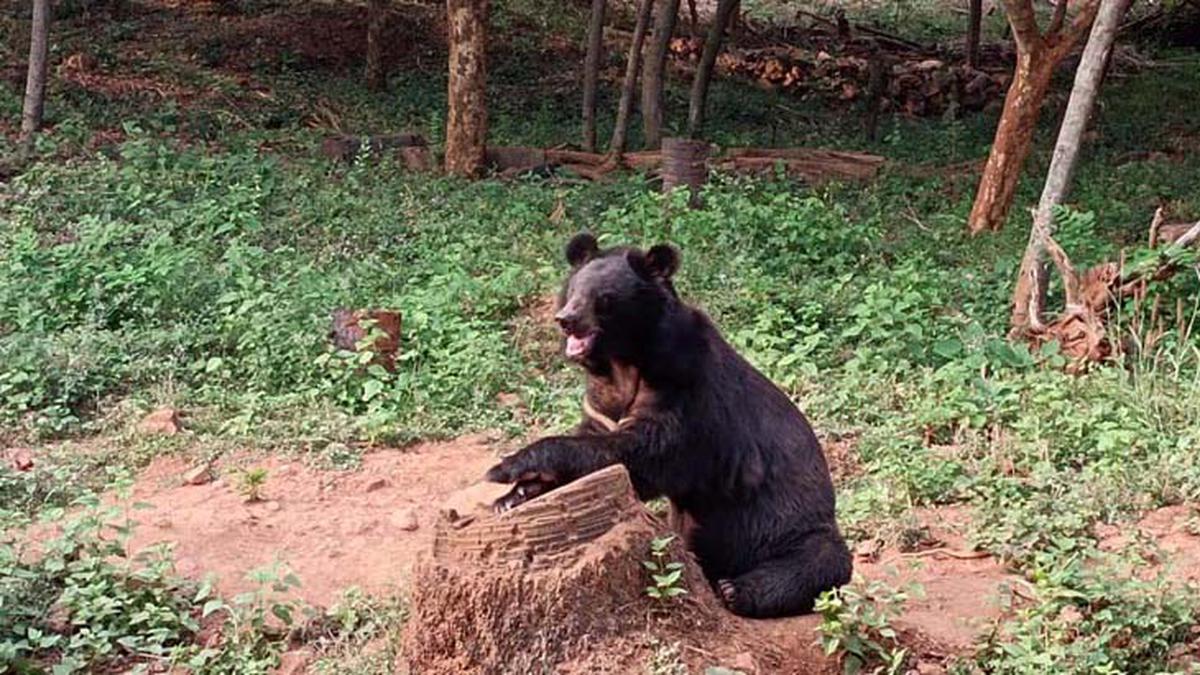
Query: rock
x=198 y=475
x=405 y=519
x=376 y=485
x=164 y=421
x=20 y=459
x=272 y=505
x=294 y=662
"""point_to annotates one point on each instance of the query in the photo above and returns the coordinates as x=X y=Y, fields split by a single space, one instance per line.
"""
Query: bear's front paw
x=521 y=493
x=728 y=592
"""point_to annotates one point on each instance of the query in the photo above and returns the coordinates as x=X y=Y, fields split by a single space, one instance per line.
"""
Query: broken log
x=812 y=164
x=344 y=147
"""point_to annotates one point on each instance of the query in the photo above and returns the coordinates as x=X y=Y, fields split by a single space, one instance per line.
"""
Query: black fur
x=728 y=448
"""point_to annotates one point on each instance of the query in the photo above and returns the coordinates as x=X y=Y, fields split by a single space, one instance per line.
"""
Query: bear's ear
x=581 y=248
x=663 y=260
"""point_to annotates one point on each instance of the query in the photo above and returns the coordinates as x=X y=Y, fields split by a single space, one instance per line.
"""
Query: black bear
x=690 y=419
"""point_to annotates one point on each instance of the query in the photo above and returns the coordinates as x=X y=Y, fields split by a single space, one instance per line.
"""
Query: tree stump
x=546 y=582
x=347 y=332
x=685 y=164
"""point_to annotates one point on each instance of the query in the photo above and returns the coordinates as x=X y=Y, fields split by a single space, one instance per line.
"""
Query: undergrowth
x=196 y=262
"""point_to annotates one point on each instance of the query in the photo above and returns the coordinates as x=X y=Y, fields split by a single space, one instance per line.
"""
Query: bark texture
x=974 y=22
x=35 y=80
x=1037 y=56
x=632 y=66
x=708 y=59
x=376 y=74
x=655 y=72
x=591 y=72
x=466 y=124
x=1032 y=280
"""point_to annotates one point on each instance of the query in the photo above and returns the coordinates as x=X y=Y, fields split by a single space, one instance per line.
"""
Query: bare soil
x=368 y=528
x=333 y=529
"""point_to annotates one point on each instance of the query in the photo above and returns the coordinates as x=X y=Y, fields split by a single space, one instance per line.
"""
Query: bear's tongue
x=578 y=345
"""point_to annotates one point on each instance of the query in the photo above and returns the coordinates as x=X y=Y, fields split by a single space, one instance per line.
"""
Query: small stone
x=294 y=662
x=59 y=619
x=377 y=484
x=164 y=421
x=406 y=520
x=272 y=505
x=744 y=662
x=198 y=475
x=20 y=459
x=930 y=668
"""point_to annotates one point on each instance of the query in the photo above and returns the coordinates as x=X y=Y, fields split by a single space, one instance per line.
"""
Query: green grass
x=197 y=262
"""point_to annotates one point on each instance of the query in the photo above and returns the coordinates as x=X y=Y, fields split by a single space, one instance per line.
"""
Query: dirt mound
x=333 y=529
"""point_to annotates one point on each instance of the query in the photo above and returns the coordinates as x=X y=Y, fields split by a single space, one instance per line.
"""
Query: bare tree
x=632 y=66
x=591 y=73
x=1030 y=291
x=35 y=80
x=1037 y=56
x=974 y=23
x=376 y=75
x=466 y=123
x=708 y=59
x=654 y=74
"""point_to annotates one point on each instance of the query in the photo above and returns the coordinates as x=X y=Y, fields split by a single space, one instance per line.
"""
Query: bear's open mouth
x=580 y=344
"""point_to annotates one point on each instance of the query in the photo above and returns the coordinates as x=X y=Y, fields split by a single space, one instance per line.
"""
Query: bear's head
x=613 y=300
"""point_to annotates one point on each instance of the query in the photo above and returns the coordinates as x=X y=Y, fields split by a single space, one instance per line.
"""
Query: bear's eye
x=604 y=303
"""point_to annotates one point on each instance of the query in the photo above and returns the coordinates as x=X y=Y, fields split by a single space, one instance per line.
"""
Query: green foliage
x=666 y=575
x=253 y=625
x=250 y=483
x=856 y=624
x=1092 y=614
x=81 y=603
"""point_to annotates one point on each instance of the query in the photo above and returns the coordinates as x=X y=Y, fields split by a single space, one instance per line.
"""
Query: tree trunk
x=1037 y=57
x=466 y=123
x=376 y=75
x=35 y=81
x=591 y=73
x=625 y=108
x=1014 y=136
x=708 y=59
x=974 y=23
x=693 y=19
x=1033 y=277
x=655 y=72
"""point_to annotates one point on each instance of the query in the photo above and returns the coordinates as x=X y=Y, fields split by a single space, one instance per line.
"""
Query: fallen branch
x=812 y=164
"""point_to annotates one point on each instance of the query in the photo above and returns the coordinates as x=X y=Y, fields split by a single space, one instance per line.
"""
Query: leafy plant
x=666 y=574
x=251 y=483
x=856 y=622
